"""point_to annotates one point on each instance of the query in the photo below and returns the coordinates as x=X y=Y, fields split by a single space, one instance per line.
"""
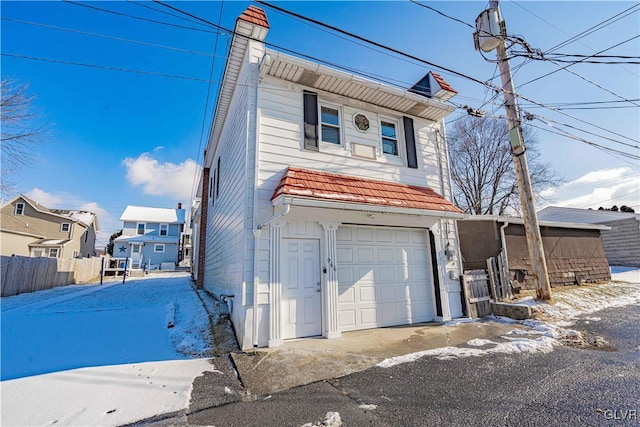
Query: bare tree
x=20 y=130
x=484 y=180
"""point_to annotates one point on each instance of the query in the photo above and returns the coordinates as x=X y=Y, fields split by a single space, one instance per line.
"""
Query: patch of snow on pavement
x=368 y=407
x=551 y=327
x=332 y=419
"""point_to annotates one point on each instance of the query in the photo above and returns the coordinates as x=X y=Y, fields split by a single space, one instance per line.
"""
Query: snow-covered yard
x=102 y=354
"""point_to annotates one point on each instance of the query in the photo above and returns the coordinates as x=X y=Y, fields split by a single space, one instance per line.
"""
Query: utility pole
x=491 y=35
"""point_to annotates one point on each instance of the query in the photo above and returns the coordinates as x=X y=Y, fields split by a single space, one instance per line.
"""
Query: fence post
x=102 y=271
x=124 y=273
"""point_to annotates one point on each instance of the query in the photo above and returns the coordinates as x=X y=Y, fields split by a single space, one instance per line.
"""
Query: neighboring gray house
x=325 y=199
x=150 y=237
x=621 y=242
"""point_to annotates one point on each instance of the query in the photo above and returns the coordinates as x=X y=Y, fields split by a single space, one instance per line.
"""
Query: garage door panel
x=345 y=254
x=385 y=274
x=364 y=255
x=385 y=256
x=366 y=294
x=346 y=295
x=384 y=277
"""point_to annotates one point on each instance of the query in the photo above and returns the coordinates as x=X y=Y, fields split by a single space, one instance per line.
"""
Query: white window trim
x=392 y=158
x=62 y=227
x=166 y=227
x=56 y=250
x=136 y=245
x=330 y=147
x=21 y=205
x=37 y=253
x=144 y=229
x=158 y=245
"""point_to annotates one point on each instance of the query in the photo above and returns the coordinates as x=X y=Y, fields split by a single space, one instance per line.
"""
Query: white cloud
x=44 y=198
x=161 y=179
x=604 y=187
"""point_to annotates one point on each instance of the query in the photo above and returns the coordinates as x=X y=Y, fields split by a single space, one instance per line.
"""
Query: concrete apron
x=303 y=361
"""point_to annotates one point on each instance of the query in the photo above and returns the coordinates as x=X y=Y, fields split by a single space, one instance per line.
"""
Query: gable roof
x=327 y=186
x=21 y=222
x=147 y=214
x=584 y=216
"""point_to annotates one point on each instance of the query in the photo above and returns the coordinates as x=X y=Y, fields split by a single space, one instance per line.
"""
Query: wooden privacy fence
x=25 y=274
x=498 y=270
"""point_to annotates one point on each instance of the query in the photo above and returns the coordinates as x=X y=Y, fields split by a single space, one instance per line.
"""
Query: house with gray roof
x=621 y=241
x=27 y=228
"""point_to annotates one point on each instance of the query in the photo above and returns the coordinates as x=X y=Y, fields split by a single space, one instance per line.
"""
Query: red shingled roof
x=342 y=188
x=443 y=83
x=256 y=16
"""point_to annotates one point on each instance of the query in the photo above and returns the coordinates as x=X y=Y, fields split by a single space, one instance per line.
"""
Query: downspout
x=284 y=212
x=503 y=243
x=262 y=67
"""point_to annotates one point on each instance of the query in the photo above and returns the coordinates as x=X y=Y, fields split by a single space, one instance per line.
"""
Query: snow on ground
x=549 y=329
x=102 y=354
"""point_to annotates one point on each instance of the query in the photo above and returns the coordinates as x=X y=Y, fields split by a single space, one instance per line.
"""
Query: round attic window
x=361 y=122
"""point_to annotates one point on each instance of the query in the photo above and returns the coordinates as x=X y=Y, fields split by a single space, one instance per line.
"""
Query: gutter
x=316 y=203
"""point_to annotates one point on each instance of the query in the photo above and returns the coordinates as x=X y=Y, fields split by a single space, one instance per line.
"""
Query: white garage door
x=384 y=277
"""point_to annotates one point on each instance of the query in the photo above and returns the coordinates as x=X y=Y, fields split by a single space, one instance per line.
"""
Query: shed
x=622 y=238
x=574 y=252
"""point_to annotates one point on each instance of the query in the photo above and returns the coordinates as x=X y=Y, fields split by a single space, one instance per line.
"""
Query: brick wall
x=202 y=245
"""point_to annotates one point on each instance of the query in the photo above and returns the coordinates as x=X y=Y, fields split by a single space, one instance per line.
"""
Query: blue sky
x=117 y=138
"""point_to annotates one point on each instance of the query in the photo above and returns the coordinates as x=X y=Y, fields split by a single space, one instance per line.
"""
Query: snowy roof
x=583 y=216
x=146 y=214
x=50 y=242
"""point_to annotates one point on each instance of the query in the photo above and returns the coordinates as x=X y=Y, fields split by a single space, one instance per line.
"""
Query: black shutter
x=410 y=141
x=310 y=121
x=218 y=179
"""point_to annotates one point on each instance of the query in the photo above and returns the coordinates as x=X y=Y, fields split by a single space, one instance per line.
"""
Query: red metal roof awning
x=326 y=186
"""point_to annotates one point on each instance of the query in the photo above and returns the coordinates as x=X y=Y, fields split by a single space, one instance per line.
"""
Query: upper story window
x=65 y=227
x=164 y=229
x=330 y=121
x=19 y=209
x=389 y=134
x=141 y=228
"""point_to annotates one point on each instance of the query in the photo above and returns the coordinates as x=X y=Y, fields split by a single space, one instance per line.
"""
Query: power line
x=128 y=70
x=615 y=198
x=38 y=24
x=164 y=12
x=139 y=17
x=443 y=14
x=544 y=119
x=206 y=104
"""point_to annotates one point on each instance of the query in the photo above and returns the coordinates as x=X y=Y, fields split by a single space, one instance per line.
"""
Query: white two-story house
x=324 y=204
x=150 y=237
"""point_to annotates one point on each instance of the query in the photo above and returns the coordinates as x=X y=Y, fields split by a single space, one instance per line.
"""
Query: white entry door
x=301 y=302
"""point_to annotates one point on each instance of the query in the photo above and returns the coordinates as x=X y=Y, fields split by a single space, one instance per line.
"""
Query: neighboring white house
x=621 y=241
x=150 y=237
x=324 y=204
